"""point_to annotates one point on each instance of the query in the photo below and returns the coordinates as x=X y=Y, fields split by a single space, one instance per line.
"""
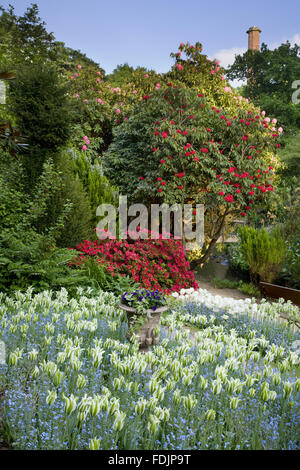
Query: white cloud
x=227 y=56
x=295 y=39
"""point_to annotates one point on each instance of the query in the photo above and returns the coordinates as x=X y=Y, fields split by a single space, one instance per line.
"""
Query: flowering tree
x=102 y=106
x=177 y=148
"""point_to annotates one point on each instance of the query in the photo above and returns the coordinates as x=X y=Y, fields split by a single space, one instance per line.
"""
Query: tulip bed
x=72 y=381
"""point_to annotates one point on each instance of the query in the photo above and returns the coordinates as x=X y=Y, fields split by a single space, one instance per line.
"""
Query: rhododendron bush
x=177 y=148
x=155 y=264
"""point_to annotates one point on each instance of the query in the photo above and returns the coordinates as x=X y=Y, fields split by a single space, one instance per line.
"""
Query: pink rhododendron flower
x=79 y=66
x=179 y=67
x=84 y=147
x=118 y=111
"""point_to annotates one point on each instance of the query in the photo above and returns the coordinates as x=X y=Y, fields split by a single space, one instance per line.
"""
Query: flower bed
x=215 y=303
x=154 y=264
x=74 y=382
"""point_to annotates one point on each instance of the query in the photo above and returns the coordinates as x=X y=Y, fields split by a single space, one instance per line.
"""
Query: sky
x=145 y=32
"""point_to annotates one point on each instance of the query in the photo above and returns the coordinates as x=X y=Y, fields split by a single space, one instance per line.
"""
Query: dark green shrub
x=39 y=102
x=28 y=244
x=97 y=186
x=263 y=252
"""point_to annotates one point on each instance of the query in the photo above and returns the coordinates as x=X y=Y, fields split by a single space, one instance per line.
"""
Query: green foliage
x=263 y=252
x=101 y=279
x=246 y=287
x=79 y=224
x=27 y=256
x=291 y=268
x=67 y=58
x=270 y=84
x=97 y=186
x=24 y=39
x=123 y=74
x=290 y=157
x=237 y=260
x=38 y=100
x=24 y=262
x=33 y=225
x=290 y=231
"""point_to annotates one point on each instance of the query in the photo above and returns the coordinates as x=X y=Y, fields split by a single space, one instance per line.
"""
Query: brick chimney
x=253 y=39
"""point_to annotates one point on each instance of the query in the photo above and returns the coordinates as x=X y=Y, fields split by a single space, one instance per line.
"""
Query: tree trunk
x=212 y=243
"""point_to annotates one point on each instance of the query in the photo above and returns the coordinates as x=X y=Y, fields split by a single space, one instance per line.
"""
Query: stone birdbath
x=145 y=326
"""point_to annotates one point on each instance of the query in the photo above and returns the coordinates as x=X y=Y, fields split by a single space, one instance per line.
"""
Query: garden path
x=231 y=293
